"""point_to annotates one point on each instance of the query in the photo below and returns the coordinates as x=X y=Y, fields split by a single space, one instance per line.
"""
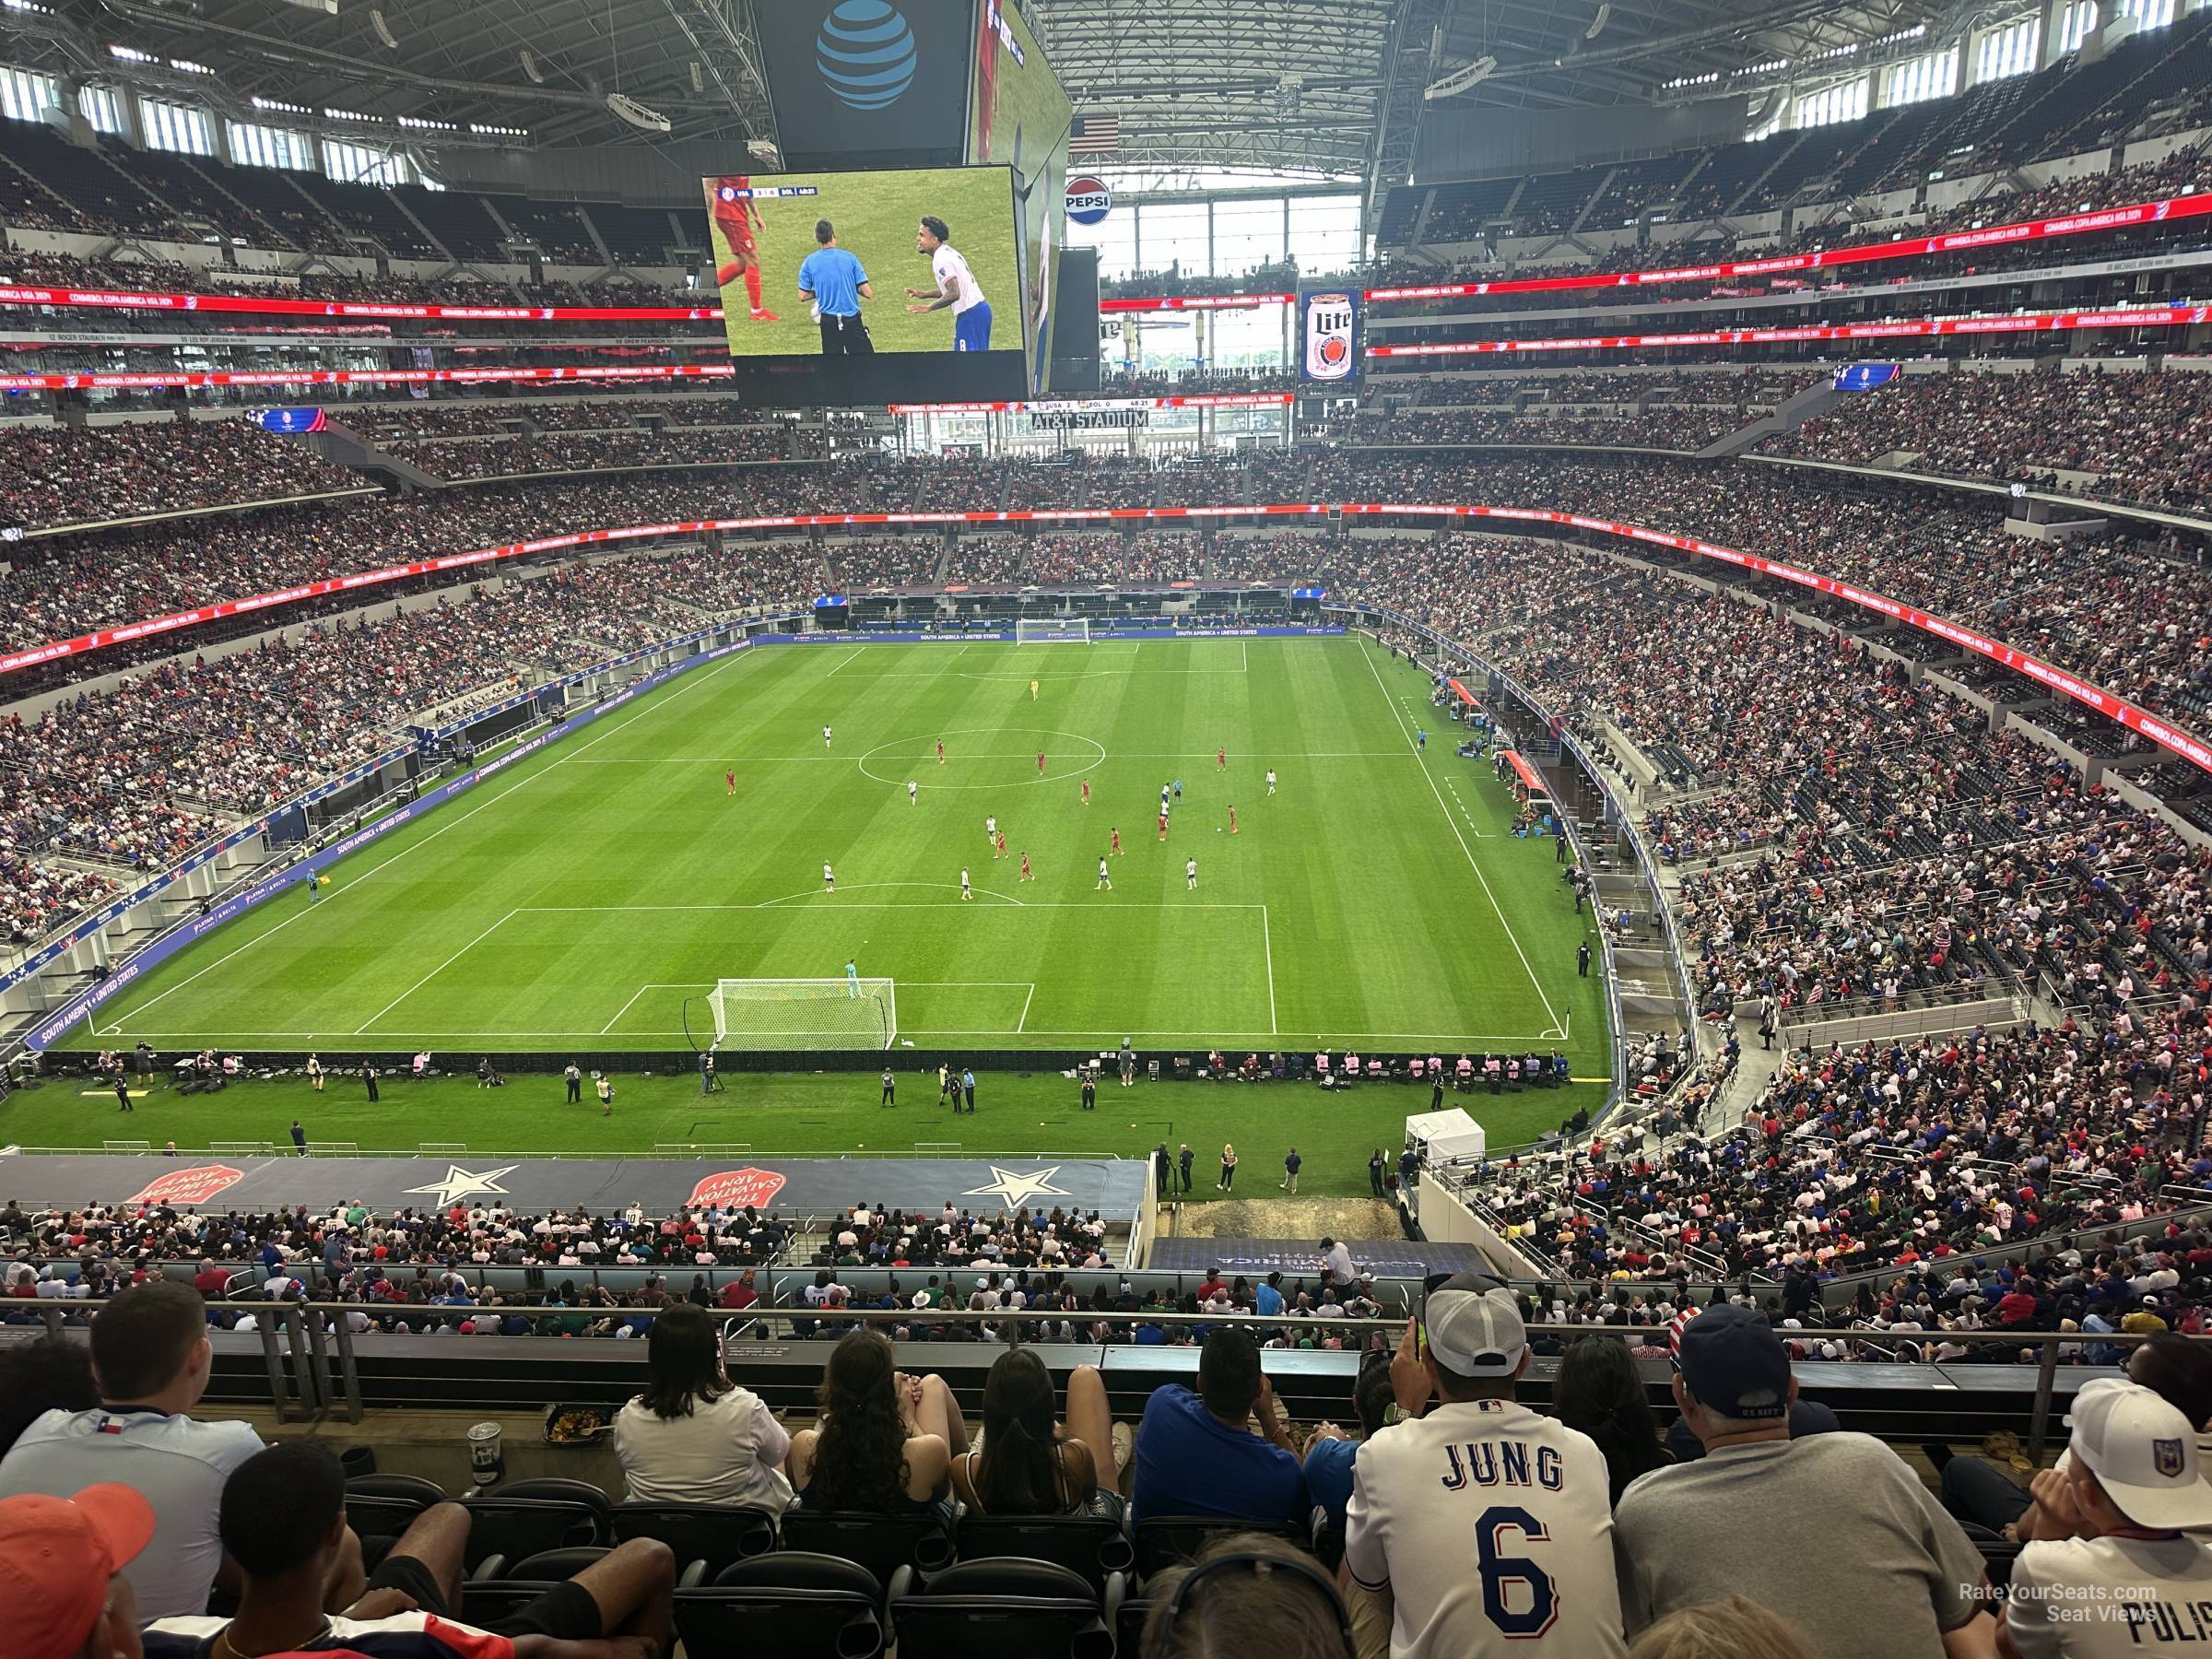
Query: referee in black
x=833 y=278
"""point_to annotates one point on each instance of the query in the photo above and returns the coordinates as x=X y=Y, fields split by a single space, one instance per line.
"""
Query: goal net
x=1051 y=630
x=804 y=1013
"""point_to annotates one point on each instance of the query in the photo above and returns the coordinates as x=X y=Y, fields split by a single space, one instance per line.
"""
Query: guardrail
x=1619 y=815
x=311 y=1352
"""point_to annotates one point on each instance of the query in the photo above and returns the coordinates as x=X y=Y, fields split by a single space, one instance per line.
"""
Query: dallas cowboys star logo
x=460 y=1183
x=1015 y=1191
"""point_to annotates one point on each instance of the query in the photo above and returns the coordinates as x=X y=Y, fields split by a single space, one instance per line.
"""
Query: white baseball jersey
x=949 y=266
x=1492 y=1526
x=2082 y=1598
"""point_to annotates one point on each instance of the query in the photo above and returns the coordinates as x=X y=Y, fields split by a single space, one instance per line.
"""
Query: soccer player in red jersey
x=1040 y=763
x=729 y=780
x=1087 y=791
x=940 y=751
x=731 y=203
x=1163 y=826
x=1025 y=866
x=1220 y=760
x=1001 y=851
x=1232 y=821
x=1117 y=844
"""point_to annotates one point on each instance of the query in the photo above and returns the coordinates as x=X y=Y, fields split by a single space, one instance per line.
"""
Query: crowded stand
x=132 y=777
x=57 y=475
x=2128 y=434
x=2182 y=172
x=1908 y=1158
x=1898 y=950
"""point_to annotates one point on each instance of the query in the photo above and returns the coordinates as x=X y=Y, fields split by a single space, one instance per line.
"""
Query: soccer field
x=590 y=896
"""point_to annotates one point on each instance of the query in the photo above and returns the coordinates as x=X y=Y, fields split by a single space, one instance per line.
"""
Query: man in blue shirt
x=1196 y=1453
x=833 y=279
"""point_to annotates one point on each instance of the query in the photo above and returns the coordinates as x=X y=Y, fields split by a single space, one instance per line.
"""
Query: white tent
x=1449 y=1136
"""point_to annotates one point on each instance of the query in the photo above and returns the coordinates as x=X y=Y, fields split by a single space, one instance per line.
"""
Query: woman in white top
x=694 y=1436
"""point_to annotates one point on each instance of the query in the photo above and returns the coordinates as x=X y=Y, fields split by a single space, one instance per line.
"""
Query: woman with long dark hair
x=1600 y=1393
x=694 y=1436
x=1029 y=1465
x=883 y=1442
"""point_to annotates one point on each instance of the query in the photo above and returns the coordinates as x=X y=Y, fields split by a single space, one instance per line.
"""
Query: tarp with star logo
x=797 y=1185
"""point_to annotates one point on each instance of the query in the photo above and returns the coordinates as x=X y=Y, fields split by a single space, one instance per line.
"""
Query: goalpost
x=1051 y=631
x=804 y=1013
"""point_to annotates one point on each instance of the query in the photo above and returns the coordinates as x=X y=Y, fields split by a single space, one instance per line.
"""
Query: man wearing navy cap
x=1832 y=1531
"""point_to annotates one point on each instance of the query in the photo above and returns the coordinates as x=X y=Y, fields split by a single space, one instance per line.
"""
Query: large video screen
x=859 y=288
x=868 y=83
x=1018 y=117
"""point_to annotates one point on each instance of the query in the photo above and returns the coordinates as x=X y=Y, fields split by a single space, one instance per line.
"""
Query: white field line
x=1268 y=946
x=1334 y=1038
x=651 y=704
x=433 y=973
x=1473 y=863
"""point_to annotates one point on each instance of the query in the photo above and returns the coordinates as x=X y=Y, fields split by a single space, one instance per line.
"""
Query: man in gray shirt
x=1832 y=1531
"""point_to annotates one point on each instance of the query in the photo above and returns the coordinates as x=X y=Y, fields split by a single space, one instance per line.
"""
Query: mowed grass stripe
x=1374 y=919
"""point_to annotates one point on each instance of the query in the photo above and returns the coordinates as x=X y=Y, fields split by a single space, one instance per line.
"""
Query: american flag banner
x=1094 y=135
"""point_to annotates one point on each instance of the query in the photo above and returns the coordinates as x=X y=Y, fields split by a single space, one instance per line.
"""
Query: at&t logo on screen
x=866 y=54
x=1331 y=337
x=1089 y=201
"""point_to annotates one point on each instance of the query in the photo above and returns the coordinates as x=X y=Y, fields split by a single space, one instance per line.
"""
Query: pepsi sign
x=1087 y=201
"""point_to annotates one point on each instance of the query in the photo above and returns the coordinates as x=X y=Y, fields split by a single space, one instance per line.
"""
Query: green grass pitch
x=876 y=214
x=1377 y=901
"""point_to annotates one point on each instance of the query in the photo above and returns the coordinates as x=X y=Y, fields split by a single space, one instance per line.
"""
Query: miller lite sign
x=1088 y=200
x=1329 y=329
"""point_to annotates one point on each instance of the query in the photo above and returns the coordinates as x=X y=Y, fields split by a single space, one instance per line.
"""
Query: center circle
x=927 y=755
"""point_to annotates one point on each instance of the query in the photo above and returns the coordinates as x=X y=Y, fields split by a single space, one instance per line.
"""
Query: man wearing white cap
x=1529 y=1492
x=2133 y=1581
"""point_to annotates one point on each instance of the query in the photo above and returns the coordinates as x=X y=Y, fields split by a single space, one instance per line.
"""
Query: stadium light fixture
x=627 y=109
x=1460 y=80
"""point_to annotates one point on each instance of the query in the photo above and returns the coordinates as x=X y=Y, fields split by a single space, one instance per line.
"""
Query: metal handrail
x=321 y=1389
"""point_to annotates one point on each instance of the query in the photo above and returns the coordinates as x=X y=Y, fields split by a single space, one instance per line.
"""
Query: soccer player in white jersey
x=1477 y=1467
x=912 y=793
x=1190 y=873
x=825 y=736
x=990 y=826
x=965 y=891
x=1271 y=780
x=955 y=287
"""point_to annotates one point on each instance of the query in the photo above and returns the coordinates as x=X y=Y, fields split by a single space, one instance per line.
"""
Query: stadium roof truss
x=1329 y=89
x=1290 y=84
x=1587 y=53
x=547 y=65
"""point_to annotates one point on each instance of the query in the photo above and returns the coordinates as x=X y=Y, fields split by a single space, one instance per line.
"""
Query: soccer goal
x=1051 y=631
x=804 y=1013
